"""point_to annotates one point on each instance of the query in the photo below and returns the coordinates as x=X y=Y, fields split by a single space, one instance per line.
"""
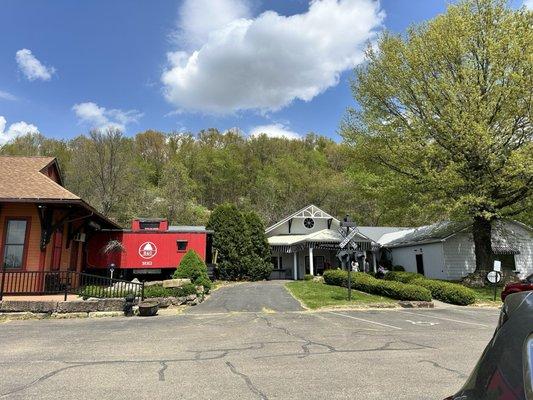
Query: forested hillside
x=183 y=176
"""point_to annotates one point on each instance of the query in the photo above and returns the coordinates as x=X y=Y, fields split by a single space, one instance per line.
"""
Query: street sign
x=348 y=239
x=497 y=266
x=494 y=277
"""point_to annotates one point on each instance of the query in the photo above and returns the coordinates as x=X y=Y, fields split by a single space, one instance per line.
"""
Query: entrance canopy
x=311 y=228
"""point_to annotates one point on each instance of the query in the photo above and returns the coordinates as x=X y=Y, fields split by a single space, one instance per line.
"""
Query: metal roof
x=188 y=228
x=376 y=232
x=424 y=234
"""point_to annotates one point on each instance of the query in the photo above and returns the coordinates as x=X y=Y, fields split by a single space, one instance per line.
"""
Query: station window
x=277 y=262
x=182 y=245
x=15 y=243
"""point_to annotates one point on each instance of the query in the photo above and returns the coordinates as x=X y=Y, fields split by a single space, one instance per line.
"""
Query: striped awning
x=364 y=246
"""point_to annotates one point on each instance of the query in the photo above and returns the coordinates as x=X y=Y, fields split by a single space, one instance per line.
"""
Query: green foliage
x=401 y=276
x=192 y=267
x=308 y=277
x=448 y=292
x=398 y=268
x=369 y=284
x=243 y=251
x=446 y=111
x=160 y=291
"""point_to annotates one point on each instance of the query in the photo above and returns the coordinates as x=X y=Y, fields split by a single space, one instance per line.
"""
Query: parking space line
x=445 y=319
x=365 y=320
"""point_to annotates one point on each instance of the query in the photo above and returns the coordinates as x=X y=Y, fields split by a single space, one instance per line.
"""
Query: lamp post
x=348 y=223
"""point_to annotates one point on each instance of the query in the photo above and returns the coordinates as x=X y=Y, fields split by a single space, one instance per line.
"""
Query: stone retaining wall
x=88 y=306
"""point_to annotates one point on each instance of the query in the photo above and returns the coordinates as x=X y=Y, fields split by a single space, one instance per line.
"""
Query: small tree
x=192 y=267
x=260 y=264
x=239 y=238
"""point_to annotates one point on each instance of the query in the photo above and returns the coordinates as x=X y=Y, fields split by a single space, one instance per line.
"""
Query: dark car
x=515 y=287
x=505 y=369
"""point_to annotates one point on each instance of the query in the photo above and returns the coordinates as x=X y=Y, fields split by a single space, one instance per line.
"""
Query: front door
x=57 y=247
x=420 y=263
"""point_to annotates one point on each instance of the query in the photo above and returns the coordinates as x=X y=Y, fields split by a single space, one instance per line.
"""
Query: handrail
x=66 y=282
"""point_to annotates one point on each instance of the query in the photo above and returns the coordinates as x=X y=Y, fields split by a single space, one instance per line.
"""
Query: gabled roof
x=310 y=211
x=424 y=234
x=22 y=178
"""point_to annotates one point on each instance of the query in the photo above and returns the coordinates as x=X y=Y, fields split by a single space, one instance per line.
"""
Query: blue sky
x=68 y=66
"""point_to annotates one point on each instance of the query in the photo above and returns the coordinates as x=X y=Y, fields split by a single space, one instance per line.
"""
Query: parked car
x=515 y=287
x=505 y=369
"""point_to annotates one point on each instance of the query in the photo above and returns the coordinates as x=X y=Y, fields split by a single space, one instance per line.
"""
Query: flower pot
x=148 y=308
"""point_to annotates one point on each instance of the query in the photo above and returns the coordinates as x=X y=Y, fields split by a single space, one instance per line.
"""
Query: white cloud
x=31 y=67
x=275 y=131
x=198 y=18
x=267 y=62
x=528 y=4
x=101 y=118
x=7 y=96
x=16 y=129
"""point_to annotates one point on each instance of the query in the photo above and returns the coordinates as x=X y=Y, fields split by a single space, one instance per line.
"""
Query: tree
x=103 y=172
x=448 y=108
x=261 y=265
x=239 y=239
x=231 y=241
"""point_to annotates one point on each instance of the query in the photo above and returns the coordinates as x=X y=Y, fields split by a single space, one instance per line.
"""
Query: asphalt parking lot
x=374 y=354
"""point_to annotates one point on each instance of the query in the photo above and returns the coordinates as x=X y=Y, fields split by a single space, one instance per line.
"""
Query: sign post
x=495 y=276
x=348 y=236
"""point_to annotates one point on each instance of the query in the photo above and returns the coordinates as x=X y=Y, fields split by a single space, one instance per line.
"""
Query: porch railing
x=66 y=282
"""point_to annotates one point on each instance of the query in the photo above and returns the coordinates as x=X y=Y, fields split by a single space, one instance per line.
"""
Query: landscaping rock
x=191 y=297
x=164 y=302
x=416 y=304
x=178 y=301
x=111 y=305
x=28 y=306
x=153 y=283
x=77 y=306
x=200 y=289
x=175 y=283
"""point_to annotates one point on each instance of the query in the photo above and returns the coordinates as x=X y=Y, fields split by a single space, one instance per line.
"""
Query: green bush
x=447 y=292
x=404 y=277
x=397 y=268
x=192 y=267
x=308 y=277
x=160 y=291
x=366 y=283
x=241 y=243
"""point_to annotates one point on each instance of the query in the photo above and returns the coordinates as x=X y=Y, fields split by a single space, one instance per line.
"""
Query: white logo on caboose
x=147 y=250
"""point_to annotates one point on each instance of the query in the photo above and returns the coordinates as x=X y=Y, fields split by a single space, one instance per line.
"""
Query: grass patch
x=486 y=294
x=316 y=295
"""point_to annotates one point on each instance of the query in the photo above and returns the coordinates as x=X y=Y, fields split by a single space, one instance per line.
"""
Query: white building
x=307 y=242
x=446 y=250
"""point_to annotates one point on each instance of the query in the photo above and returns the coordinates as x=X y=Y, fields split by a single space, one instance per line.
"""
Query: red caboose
x=150 y=247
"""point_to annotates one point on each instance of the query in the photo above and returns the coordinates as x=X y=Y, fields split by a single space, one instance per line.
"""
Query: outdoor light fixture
x=349 y=252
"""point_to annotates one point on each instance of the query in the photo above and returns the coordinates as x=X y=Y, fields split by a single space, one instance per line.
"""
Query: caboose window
x=149 y=225
x=182 y=245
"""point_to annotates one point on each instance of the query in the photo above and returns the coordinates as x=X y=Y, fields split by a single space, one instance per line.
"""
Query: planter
x=148 y=308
